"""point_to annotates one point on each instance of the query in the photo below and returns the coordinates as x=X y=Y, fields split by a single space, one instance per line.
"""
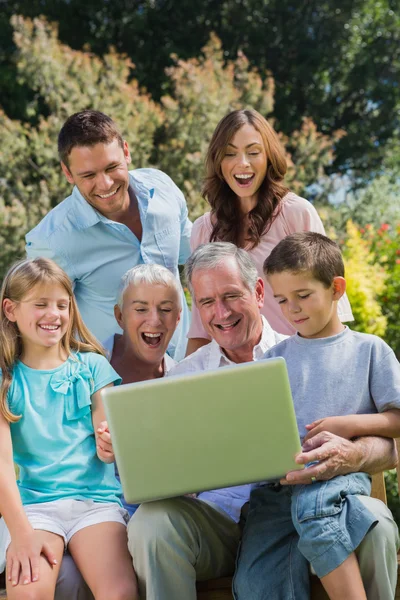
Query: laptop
x=196 y=432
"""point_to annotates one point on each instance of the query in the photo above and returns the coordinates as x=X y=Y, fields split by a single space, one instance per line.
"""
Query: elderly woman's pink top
x=296 y=214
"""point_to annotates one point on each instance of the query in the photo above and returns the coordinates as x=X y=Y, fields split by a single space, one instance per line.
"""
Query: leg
x=101 y=554
x=174 y=542
x=345 y=581
x=269 y=562
x=377 y=553
x=43 y=589
x=70 y=583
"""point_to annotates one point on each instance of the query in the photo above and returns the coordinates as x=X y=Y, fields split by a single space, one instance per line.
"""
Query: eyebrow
x=300 y=290
x=248 y=145
x=146 y=303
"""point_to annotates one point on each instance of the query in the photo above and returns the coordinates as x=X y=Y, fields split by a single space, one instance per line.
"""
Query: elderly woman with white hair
x=148 y=312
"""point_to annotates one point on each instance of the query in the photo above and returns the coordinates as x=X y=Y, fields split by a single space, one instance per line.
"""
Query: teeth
x=152 y=335
x=107 y=195
x=243 y=176
x=49 y=327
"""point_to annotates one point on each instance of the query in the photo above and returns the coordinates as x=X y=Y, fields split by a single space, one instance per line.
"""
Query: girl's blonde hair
x=22 y=277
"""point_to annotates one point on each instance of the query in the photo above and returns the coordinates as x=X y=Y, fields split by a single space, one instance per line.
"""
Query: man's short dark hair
x=86 y=128
x=307 y=252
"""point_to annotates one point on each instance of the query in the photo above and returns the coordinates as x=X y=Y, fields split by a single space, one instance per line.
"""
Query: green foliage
x=392 y=490
x=384 y=242
x=365 y=283
x=337 y=62
x=374 y=204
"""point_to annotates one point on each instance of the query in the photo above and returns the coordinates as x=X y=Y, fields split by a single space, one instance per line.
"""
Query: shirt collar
x=217 y=357
x=86 y=216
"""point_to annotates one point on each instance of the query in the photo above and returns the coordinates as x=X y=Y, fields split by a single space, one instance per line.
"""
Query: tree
x=335 y=62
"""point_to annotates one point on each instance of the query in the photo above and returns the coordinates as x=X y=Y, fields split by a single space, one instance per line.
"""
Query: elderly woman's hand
x=334 y=456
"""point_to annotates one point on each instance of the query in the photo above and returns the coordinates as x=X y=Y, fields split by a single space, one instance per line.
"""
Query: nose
x=153 y=317
x=244 y=160
x=222 y=310
x=104 y=181
x=293 y=306
x=52 y=311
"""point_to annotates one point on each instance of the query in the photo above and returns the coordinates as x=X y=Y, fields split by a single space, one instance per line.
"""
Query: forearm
x=376 y=454
x=10 y=504
x=386 y=424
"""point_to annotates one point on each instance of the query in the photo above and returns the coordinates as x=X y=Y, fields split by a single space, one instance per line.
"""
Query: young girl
x=52 y=372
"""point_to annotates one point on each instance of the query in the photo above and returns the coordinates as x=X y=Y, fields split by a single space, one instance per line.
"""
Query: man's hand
x=103 y=443
x=342 y=426
x=334 y=456
x=23 y=558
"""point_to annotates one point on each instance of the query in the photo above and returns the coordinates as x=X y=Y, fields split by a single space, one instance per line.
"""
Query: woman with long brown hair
x=250 y=204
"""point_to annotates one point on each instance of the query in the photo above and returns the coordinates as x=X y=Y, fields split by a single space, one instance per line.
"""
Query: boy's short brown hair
x=86 y=128
x=307 y=251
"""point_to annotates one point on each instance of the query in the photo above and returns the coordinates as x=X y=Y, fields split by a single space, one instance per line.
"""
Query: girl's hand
x=103 y=443
x=23 y=557
x=341 y=426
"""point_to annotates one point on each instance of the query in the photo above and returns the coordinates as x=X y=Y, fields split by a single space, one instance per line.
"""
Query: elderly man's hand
x=335 y=456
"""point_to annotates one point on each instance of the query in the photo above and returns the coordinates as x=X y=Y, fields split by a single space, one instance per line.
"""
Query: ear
x=339 y=287
x=9 y=307
x=118 y=315
x=127 y=154
x=260 y=292
x=179 y=316
x=67 y=173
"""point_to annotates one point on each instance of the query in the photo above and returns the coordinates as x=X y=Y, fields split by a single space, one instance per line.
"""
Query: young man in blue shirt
x=114 y=220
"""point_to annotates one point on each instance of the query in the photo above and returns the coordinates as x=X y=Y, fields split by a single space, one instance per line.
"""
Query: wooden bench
x=221 y=589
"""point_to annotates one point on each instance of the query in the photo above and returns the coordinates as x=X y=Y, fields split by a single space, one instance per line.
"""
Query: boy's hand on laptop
x=332 y=455
x=103 y=443
x=341 y=426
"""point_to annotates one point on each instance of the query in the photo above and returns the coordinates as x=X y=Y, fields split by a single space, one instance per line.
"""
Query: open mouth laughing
x=152 y=339
x=244 y=179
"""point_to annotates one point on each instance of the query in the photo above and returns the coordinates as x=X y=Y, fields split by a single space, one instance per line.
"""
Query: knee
x=154 y=522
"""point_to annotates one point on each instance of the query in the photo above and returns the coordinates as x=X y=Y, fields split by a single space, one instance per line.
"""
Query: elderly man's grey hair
x=151 y=274
x=211 y=255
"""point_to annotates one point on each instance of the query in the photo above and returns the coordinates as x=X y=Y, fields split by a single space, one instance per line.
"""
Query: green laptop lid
x=196 y=432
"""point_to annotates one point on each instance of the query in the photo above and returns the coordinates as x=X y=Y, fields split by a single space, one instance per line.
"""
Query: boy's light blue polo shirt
x=96 y=252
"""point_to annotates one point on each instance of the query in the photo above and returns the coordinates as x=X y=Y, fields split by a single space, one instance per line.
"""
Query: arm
x=386 y=424
x=25 y=548
x=186 y=231
x=335 y=455
x=104 y=447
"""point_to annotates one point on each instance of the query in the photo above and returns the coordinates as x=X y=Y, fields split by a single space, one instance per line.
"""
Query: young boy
x=342 y=381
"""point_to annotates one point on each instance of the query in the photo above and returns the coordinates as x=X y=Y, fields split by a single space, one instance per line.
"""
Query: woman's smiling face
x=244 y=165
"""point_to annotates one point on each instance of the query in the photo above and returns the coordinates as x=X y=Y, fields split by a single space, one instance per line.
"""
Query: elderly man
x=178 y=541
x=114 y=220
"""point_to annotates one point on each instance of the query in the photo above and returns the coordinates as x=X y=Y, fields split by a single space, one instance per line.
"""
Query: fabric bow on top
x=75 y=382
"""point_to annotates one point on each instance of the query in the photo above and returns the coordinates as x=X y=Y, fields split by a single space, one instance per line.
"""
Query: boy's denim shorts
x=330 y=520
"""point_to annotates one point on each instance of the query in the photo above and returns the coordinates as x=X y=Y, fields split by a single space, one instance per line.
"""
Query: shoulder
x=284 y=343
x=56 y=219
x=373 y=344
x=90 y=359
x=154 y=178
x=293 y=204
x=202 y=229
x=198 y=361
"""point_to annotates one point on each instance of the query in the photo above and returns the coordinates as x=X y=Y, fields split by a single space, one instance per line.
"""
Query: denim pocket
x=321 y=499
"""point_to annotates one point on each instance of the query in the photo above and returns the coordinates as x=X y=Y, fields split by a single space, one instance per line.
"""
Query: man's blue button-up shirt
x=96 y=252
